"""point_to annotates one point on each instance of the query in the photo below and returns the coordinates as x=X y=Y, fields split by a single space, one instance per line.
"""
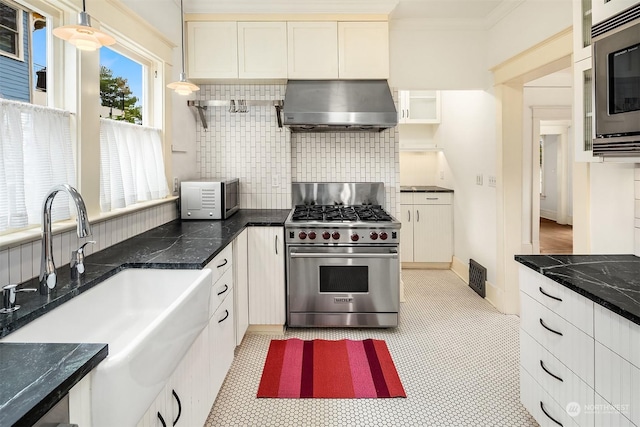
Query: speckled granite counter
x=36 y=376
x=613 y=281
x=188 y=244
x=424 y=189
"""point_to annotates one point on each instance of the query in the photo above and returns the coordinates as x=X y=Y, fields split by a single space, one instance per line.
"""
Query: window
x=10 y=30
x=120 y=87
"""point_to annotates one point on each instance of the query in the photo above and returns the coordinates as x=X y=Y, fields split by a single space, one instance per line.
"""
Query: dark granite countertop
x=36 y=376
x=188 y=244
x=613 y=281
x=424 y=189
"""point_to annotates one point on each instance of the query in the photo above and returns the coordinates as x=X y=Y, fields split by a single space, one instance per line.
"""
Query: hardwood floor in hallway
x=555 y=238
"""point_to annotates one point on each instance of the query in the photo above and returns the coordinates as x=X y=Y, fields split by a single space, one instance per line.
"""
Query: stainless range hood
x=339 y=106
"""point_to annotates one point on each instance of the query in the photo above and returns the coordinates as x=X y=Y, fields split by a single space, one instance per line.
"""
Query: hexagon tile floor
x=456 y=355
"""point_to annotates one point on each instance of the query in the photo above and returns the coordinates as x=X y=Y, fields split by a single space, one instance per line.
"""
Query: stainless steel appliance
x=616 y=61
x=209 y=199
x=342 y=257
x=339 y=106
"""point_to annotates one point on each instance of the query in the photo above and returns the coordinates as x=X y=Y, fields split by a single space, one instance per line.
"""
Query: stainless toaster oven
x=209 y=199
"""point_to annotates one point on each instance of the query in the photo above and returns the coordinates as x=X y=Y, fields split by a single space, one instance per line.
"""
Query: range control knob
x=355 y=237
x=312 y=235
x=326 y=235
x=302 y=235
x=383 y=235
x=335 y=235
x=373 y=235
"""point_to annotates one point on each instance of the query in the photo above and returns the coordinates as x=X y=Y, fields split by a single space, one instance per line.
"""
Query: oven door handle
x=342 y=255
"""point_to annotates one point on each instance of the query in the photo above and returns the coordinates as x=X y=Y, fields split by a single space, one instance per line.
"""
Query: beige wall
x=418 y=168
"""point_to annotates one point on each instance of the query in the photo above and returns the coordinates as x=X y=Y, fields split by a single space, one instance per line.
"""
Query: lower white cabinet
x=222 y=342
x=241 y=285
x=266 y=276
x=427 y=227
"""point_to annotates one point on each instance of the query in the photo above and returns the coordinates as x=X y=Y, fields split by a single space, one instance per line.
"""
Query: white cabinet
x=262 y=50
x=241 y=285
x=363 y=49
x=427 y=227
x=222 y=343
x=312 y=50
x=419 y=106
x=266 y=276
x=212 y=50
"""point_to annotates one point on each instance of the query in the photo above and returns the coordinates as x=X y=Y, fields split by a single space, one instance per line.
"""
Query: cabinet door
x=266 y=276
x=241 y=285
x=407 y=216
x=212 y=50
x=422 y=106
x=433 y=233
x=221 y=345
x=159 y=406
x=312 y=50
x=582 y=29
x=262 y=50
x=363 y=50
x=583 y=105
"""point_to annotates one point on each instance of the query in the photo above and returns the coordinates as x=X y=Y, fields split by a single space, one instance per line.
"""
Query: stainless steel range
x=342 y=257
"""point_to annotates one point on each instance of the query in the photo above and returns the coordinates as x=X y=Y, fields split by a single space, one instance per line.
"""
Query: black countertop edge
x=612 y=281
x=424 y=189
x=74 y=362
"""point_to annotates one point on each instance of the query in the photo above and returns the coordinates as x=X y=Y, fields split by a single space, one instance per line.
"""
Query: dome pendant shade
x=83 y=36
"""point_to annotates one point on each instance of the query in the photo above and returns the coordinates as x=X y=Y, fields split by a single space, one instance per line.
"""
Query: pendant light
x=182 y=86
x=83 y=36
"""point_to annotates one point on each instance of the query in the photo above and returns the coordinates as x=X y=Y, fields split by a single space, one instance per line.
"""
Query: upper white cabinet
x=582 y=17
x=212 y=50
x=312 y=50
x=419 y=106
x=363 y=50
x=262 y=50
x=605 y=9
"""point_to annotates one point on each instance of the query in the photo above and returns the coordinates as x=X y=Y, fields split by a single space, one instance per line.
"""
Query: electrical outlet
x=479 y=179
x=176 y=184
x=492 y=181
x=441 y=174
x=275 y=183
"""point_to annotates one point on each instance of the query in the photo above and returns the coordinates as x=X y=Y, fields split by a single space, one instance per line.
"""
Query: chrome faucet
x=47 y=267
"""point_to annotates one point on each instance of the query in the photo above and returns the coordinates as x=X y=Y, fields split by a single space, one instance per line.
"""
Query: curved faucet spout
x=47 y=266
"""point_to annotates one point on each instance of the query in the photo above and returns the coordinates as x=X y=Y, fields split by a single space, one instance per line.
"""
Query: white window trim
x=20 y=25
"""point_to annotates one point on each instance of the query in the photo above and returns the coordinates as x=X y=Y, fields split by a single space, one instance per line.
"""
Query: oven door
x=343 y=279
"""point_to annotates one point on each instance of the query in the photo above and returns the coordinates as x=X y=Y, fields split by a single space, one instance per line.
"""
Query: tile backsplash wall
x=248 y=146
x=267 y=159
x=21 y=263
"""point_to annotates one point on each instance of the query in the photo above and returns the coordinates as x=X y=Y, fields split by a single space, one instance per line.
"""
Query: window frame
x=19 y=55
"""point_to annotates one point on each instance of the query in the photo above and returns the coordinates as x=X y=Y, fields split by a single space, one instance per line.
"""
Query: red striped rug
x=329 y=369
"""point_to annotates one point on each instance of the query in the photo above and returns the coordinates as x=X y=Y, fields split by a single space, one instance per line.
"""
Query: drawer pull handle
x=224 y=263
x=433 y=198
x=550 y=296
x=175 y=395
x=550 y=417
x=164 y=424
x=548 y=372
x=549 y=329
x=226 y=314
x=226 y=288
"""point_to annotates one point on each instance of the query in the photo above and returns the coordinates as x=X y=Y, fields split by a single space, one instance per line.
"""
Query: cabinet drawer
x=221 y=263
x=607 y=415
x=406 y=198
x=432 y=198
x=562 y=385
x=564 y=302
x=540 y=405
x=220 y=290
x=222 y=343
x=567 y=343
x=619 y=334
x=618 y=382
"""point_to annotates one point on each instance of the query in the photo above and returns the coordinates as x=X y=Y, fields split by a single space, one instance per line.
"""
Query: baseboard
x=461 y=269
x=266 y=329
x=550 y=215
x=427 y=265
x=495 y=296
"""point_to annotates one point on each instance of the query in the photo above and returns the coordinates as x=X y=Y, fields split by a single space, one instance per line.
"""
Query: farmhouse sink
x=149 y=318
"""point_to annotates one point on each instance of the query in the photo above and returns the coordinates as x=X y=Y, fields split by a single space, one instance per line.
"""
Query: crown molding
x=384 y=7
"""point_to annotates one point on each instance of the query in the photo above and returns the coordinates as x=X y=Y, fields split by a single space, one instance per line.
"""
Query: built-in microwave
x=209 y=199
x=616 y=62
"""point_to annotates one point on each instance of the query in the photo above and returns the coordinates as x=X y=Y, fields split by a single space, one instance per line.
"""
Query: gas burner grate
x=340 y=213
x=372 y=213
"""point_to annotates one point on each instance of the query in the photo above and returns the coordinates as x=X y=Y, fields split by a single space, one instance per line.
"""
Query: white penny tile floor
x=456 y=355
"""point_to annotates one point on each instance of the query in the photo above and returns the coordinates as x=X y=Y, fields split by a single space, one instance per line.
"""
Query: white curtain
x=131 y=164
x=36 y=154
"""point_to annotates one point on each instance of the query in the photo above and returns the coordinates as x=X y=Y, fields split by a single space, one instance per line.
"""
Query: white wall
x=549 y=204
x=468 y=134
x=418 y=168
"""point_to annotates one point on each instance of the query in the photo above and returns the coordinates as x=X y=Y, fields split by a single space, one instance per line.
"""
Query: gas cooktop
x=340 y=213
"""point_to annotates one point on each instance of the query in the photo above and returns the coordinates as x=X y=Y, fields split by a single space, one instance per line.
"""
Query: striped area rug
x=329 y=369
